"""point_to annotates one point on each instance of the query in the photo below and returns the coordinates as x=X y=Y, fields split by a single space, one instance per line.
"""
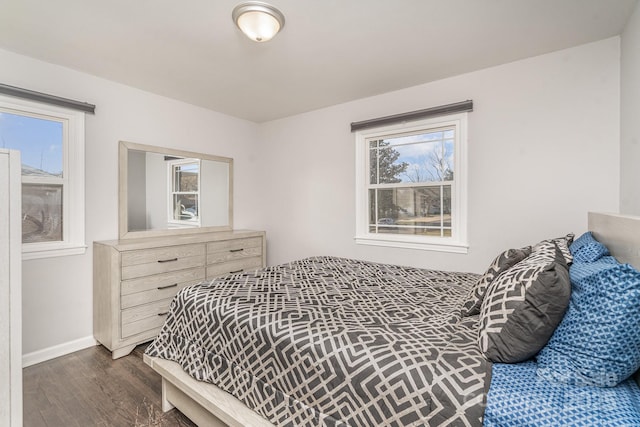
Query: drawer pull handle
x=237 y=271
x=164 y=313
x=236 y=250
x=167 y=260
x=167 y=287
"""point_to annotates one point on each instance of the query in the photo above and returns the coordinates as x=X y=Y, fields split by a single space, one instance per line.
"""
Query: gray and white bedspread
x=333 y=341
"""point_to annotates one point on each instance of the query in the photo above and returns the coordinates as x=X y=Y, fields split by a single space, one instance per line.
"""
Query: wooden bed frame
x=207 y=405
x=203 y=403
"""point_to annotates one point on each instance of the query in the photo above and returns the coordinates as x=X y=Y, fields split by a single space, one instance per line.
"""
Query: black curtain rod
x=47 y=99
x=457 y=107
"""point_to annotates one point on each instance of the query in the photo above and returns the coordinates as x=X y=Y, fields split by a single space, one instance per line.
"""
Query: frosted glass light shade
x=258 y=21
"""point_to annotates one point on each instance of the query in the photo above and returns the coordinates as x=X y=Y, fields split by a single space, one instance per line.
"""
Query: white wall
x=136 y=186
x=212 y=211
x=57 y=292
x=630 y=116
x=156 y=191
x=543 y=150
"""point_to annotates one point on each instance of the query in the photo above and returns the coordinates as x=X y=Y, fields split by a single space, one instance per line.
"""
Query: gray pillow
x=563 y=244
x=501 y=263
x=524 y=305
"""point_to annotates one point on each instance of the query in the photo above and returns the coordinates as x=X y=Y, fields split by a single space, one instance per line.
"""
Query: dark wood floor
x=88 y=388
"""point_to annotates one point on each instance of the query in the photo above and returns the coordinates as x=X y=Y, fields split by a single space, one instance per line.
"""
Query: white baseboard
x=57 y=351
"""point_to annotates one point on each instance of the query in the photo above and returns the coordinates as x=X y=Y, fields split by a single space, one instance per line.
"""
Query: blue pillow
x=584 y=270
x=598 y=341
x=587 y=249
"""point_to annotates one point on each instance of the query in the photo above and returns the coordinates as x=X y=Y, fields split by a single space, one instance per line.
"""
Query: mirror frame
x=123 y=218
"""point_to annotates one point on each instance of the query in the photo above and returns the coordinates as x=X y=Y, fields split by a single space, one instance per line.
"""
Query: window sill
x=408 y=243
x=42 y=251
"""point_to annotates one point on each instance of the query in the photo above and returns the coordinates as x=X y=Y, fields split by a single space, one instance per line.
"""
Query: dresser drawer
x=231 y=254
x=144 y=317
x=227 y=250
x=160 y=286
x=154 y=261
x=234 y=266
x=148 y=283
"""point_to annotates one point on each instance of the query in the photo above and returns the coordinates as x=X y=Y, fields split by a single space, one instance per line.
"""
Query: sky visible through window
x=39 y=141
x=425 y=157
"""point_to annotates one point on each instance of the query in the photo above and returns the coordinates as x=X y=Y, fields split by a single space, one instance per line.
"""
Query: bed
x=333 y=341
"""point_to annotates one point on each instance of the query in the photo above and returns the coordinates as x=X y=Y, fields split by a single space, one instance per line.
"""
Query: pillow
x=584 y=270
x=502 y=262
x=563 y=244
x=524 y=305
x=598 y=341
x=587 y=249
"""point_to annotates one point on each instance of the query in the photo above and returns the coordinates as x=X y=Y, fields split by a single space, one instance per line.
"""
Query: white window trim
x=170 y=186
x=457 y=243
x=73 y=197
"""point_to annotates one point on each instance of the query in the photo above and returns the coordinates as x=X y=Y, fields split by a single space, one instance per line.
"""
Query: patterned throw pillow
x=587 y=249
x=503 y=262
x=524 y=305
x=598 y=341
x=563 y=244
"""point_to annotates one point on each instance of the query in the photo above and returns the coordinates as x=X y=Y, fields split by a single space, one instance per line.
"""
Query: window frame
x=457 y=242
x=73 y=179
x=171 y=192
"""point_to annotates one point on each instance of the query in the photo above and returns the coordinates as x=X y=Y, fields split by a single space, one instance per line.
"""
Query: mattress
x=334 y=341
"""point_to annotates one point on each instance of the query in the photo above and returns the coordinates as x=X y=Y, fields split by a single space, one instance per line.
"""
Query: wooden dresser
x=134 y=280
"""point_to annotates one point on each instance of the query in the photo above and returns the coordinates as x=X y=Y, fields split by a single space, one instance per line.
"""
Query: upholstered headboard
x=621 y=235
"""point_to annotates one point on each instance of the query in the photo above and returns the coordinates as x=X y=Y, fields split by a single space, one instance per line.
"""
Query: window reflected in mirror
x=167 y=191
x=184 y=199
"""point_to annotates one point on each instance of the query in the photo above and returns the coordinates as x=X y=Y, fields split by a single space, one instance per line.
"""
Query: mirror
x=165 y=191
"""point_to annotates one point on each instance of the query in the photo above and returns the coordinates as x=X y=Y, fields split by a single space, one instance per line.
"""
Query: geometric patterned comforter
x=329 y=341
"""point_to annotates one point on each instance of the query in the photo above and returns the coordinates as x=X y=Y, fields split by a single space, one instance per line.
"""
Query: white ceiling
x=330 y=51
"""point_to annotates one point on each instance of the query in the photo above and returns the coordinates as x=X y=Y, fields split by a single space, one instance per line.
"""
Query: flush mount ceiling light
x=257 y=20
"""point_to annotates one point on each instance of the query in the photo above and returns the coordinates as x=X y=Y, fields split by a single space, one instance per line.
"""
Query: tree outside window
x=410 y=183
x=410 y=186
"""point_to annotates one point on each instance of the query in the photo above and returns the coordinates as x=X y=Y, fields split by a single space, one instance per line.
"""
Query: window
x=411 y=185
x=51 y=144
x=184 y=197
